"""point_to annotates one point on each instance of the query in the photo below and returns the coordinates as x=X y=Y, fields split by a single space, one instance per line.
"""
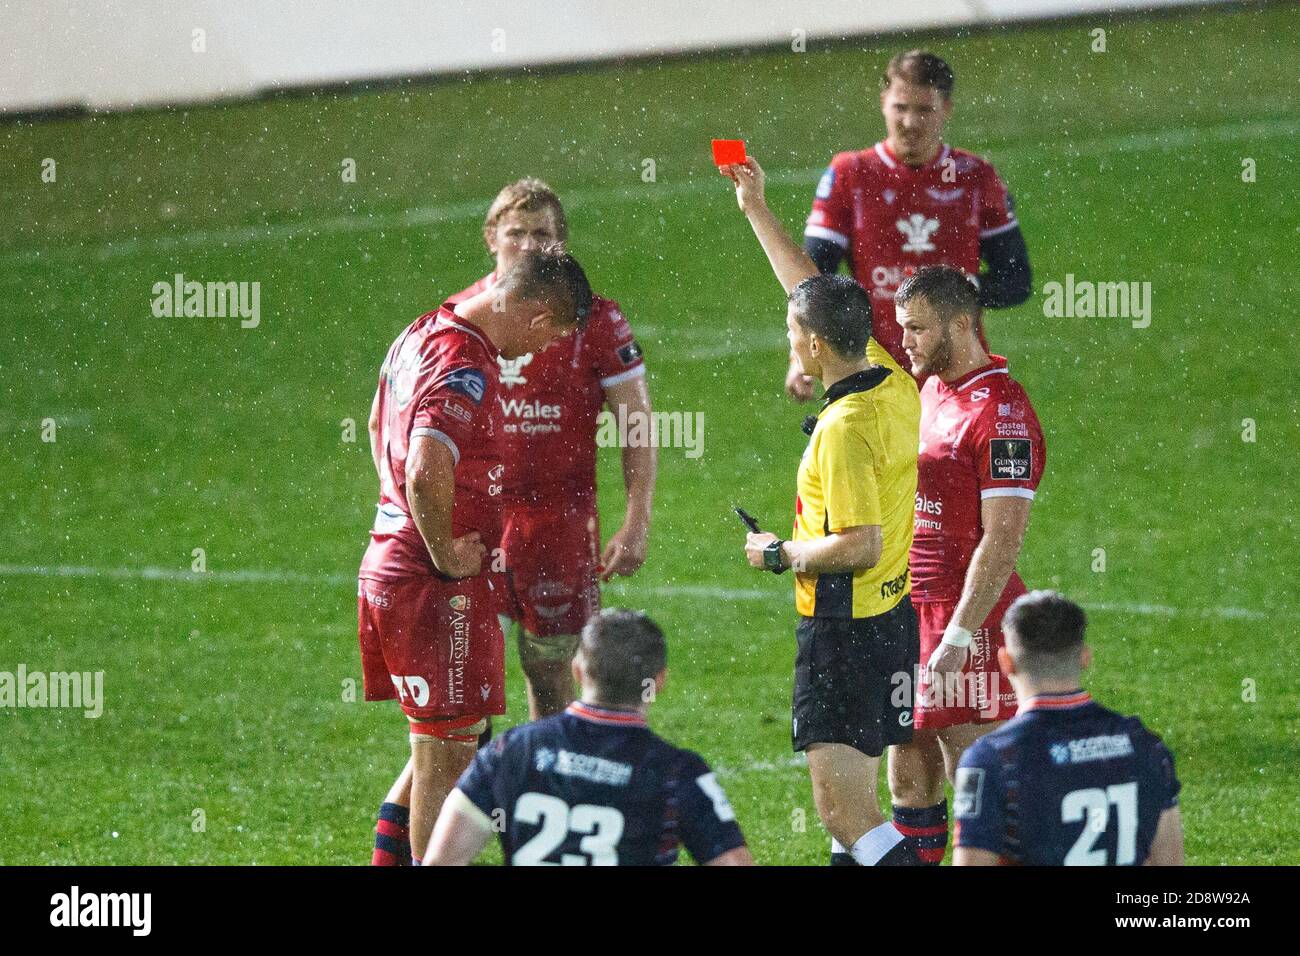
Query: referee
x=857 y=637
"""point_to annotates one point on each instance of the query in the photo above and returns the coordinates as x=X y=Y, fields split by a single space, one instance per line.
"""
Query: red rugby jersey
x=980 y=438
x=549 y=401
x=891 y=219
x=439 y=380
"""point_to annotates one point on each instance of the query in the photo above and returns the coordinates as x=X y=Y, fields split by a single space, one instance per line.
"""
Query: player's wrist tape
x=955 y=635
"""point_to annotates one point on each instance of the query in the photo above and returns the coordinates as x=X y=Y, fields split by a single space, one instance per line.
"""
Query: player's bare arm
x=852 y=549
x=790 y=263
x=430 y=490
x=373 y=428
x=1167 y=847
x=626 y=550
x=740 y=856
x=973 y=856
x=461 y=833
x=1004 y=520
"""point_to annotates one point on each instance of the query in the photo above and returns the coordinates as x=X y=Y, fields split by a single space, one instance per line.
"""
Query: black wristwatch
x=772 y=559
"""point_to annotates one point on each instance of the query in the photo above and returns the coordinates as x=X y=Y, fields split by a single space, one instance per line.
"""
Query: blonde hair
x=526 y=195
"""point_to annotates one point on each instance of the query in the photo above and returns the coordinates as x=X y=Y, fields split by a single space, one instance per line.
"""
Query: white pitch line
x=686 y=591
x=1165 y=139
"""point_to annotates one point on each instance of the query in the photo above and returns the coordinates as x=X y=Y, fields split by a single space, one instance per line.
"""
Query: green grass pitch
x=225 y=693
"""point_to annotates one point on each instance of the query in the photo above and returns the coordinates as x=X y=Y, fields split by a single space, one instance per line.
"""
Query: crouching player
x=426 y=599
x=1067 y=782
x=981 y=459
x=549 y=402
x=593 y=786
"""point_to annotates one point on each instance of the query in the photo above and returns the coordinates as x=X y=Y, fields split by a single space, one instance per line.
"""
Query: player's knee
x=547 y=658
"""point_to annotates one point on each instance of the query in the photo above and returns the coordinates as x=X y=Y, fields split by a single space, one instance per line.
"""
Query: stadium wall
x=125 y=54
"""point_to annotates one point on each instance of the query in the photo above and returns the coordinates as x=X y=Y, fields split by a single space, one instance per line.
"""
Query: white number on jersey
x=602 y=826
x=1092 y=806
x=713 y=790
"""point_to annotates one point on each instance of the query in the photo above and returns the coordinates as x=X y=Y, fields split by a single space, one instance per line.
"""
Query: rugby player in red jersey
x=549 y=401
x=426 y=600
x=912 y=200
x=981 y=459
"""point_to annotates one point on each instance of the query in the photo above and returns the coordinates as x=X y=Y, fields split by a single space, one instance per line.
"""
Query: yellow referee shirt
x=860 y=469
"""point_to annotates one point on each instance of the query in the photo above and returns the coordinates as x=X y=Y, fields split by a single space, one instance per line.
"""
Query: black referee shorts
x=853 y=680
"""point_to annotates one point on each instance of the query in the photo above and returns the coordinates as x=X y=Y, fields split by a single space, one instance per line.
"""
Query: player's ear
x=1005 y=661
x=1085 y=656
x=946 y=109
x=576 y=668
x=660 y=679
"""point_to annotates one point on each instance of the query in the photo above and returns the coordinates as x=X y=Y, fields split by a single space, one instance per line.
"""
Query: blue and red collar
x=606 y=715
x=1065 y=701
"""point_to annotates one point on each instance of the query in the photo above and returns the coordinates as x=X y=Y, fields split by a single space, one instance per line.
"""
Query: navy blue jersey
x=1066 y=782
x=597 y=787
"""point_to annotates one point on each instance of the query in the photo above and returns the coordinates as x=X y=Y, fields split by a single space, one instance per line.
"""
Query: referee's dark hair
x=622 y=654
x=950 y=292
x=837 y=310
x=1044 y=632
x=551 y=276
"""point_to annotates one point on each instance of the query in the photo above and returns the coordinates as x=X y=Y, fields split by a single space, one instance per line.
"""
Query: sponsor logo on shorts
x=969 y=690
x=380 y=599
x=550 y=599
x=459 y=652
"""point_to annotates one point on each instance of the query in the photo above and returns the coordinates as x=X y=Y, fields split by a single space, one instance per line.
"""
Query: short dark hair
x=837 y=309
x=949 y=291
x=1045 y=630
x=550 y=275
x=921 y=67
x=622 y=653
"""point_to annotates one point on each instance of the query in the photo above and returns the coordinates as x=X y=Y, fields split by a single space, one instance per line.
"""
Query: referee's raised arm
x=790 y=263
x=857 y=642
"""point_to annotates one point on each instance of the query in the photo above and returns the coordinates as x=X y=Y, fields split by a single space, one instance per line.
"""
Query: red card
x=728 y=151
